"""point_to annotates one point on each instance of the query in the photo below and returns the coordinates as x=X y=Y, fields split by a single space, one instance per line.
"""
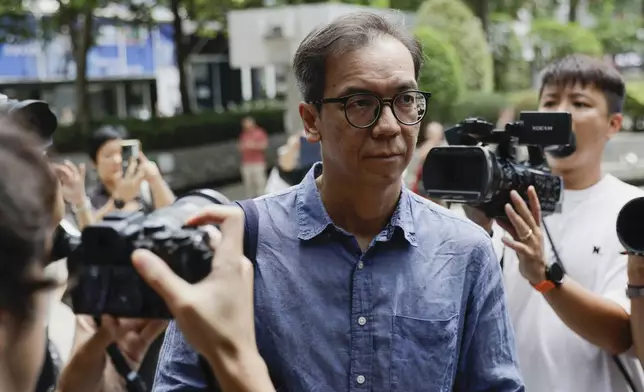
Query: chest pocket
x=422 y=354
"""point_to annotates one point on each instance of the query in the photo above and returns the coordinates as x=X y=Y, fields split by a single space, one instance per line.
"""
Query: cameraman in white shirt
x=567 y=330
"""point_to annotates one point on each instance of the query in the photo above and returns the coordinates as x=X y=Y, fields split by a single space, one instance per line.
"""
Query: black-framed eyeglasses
x=362 y=110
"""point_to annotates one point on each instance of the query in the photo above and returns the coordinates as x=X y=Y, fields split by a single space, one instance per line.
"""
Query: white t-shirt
x=551 y=356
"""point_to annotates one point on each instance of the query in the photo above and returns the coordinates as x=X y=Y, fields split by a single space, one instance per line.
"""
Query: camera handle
x=133 y=380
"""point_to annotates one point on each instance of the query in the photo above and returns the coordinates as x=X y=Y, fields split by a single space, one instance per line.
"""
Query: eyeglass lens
x=408 y=108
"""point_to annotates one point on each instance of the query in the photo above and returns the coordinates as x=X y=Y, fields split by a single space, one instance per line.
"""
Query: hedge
x=462 y=29
x=178 y=131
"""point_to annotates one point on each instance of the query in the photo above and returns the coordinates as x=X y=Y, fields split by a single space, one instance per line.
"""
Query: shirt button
x=360 y=379
x=360 y=265
x=362 y=320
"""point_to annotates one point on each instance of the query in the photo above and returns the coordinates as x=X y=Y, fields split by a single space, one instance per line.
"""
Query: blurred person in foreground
x=253 y=142
x=29 y=213
x=359 y=283
x=569 y=324
x=29 y=198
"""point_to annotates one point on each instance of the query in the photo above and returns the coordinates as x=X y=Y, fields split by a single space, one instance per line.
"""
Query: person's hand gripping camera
x=524 y=226
x=216 y=314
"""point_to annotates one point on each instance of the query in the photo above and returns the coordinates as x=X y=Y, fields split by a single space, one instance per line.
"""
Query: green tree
x=441 y=73
x=511 y=70
x=76 y=18
x=551 y=40
x=14 y=22
x=463 y=30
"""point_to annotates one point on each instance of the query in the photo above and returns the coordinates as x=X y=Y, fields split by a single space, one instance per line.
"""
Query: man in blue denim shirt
x=359 y=284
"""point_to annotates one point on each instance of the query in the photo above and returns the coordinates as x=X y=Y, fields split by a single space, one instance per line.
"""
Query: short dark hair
x=344 y=34
x=28 y=193
x=103 y=135
x=587 y=70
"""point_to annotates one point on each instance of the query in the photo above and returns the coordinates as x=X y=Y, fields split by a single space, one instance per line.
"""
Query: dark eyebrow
x=354 y=90
x=580 y=95
x=361 y=90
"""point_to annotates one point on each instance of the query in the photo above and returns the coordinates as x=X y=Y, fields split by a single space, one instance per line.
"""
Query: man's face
x=591 y=122
x=383 y=68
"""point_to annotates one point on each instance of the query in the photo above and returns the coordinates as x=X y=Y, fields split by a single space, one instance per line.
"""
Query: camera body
x=105 y=280
x=468 y=172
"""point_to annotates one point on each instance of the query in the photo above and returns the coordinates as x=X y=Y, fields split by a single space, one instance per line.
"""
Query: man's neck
x=582 y=178
x=362 y=211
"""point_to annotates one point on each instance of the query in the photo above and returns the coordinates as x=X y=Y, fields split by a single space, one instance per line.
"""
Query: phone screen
x=129 y=149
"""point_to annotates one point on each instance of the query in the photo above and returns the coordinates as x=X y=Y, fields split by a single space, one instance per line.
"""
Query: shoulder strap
x=251 y=228
x=251 y=231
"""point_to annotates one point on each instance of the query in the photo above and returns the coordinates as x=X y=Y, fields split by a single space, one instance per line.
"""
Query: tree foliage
x=463 y=30
x=15 y=23
x=441 y=73
x=511 y=69
x=552 y=40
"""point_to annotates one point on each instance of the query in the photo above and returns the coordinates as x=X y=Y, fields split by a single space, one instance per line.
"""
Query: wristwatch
x=634 y=291
x=118 y=203
x=554 y=278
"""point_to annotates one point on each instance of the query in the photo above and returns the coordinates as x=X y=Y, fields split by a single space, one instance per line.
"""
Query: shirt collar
x=313 y=219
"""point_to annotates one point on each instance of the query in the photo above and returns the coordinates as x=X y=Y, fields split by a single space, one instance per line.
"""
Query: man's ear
x=614 y=124
x=310 y=115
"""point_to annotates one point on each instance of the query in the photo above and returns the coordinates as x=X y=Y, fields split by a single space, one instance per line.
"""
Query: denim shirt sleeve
x=178 y=368
x=488 y=354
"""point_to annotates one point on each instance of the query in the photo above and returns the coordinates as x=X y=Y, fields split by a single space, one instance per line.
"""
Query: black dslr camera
x=468 y=172
x=104 y=280
x=630 y=226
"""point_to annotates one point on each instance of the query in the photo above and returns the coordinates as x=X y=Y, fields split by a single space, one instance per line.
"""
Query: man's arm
x=636 y=278
x=488 y=359
x=598 y=320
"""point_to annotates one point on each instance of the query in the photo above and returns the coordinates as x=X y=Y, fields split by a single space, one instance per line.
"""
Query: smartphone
x=310 y=153
x=129 y=149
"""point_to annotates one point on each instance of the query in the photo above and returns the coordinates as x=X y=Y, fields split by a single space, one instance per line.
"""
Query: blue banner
x=120 y=51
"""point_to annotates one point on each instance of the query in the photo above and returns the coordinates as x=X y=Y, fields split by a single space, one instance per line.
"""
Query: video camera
x=630 y=226
x=33 y=115
x=469 y=172
x=103 y=278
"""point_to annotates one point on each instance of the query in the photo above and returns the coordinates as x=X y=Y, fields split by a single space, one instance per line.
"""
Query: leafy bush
x=441 y=74
x=479 y=104
x=511 y=70
x=178 y=131
x=634 y=103
x=552 y=40
x=526 y=100
x=464 y=31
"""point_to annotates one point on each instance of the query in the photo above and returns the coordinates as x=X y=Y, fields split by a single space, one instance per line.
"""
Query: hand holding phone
x=130 y=149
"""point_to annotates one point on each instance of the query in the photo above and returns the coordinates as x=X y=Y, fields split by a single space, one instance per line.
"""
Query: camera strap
x=616 y=359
